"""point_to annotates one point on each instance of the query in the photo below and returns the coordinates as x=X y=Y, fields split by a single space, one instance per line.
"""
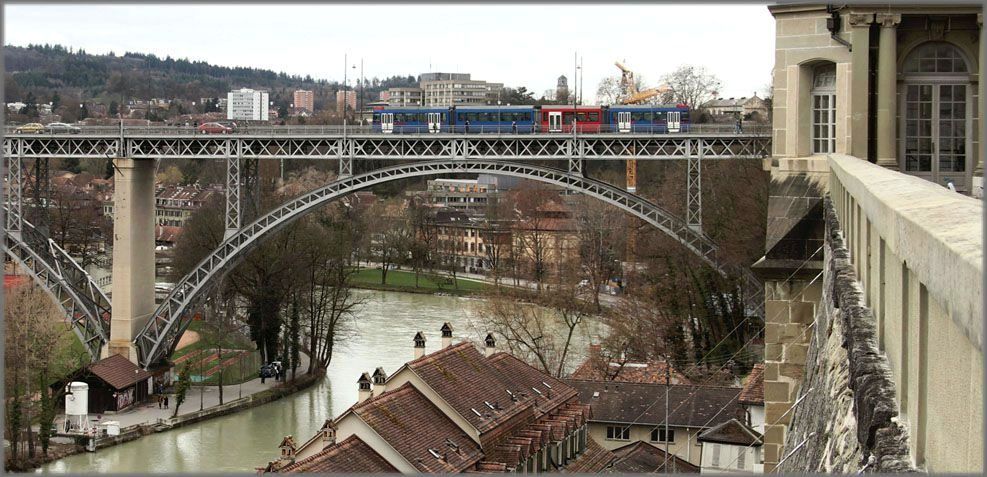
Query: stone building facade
x=897 y=86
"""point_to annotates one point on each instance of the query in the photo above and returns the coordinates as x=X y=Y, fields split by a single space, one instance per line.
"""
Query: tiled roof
x=167 y=233
x=689 y=405
x=527 y=382
x=592 y=461
x=419 y=431
x=349 y=456
x=118 y=371
x=753 y=392
x=732 y=432
x=461 y=375
x=644 y=458
x=653 y=372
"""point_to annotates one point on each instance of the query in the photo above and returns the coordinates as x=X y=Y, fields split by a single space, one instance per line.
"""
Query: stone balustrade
x=917 y=249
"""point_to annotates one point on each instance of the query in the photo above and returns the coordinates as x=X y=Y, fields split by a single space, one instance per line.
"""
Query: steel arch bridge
x=162 y=331
x=85 y=306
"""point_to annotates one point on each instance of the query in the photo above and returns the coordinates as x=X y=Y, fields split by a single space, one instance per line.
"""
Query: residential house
x=731 y=447
x=643 y=458
x=623 y=413
x=454 y=410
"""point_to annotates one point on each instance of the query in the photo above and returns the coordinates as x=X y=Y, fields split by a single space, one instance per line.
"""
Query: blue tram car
x=494 y=119
x=412 y=120
x=648 y=118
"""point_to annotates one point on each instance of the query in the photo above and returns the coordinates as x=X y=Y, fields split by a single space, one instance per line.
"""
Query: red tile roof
x=592 y=461
x=653 y=372
x=349 y=456
x=527 y=382
x=464 y=379
x=753 y=392
x=644 y=458
x=732 y=432
x=419 y=431
x=118 y=371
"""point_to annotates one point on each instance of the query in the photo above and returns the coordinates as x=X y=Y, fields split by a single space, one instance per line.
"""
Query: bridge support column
x=232 y=191
x=133 y=254
x=14 y=220
x=694 y=190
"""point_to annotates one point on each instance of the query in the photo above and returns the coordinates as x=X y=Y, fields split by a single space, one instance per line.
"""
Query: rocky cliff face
x=846 y=417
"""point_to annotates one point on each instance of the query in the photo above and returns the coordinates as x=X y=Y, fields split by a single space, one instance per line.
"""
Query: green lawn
x=428 y=282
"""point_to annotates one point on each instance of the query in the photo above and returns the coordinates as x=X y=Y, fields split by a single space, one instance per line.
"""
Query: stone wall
x=846 y=416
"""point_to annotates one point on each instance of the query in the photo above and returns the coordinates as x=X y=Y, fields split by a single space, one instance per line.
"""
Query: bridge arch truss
x=171 y=318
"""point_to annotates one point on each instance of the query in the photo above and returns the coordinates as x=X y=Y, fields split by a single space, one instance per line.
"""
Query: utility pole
x=668 y=384
x=581 y=72
x=361 y=91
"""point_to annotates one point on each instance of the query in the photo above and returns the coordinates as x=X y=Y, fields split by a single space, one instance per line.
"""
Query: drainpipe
x=833 y=24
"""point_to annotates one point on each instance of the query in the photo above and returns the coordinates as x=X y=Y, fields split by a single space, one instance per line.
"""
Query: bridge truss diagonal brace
x=576 y=153
x=694 y=189
x=233 y=215
x=14 y=220
x=346 y=152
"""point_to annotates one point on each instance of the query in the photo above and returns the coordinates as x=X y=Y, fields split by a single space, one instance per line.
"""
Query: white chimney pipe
x=491 y=347
x=419 y=345
x=366 y=388
x=446 y=335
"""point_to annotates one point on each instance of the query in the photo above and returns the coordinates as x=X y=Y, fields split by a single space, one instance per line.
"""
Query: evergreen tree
x=114 y=108
x=83 y=112
x=184 y=384
x=294 y=338
x=56 y=101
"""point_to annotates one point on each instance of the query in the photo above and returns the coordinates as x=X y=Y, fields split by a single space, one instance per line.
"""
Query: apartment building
x=247 y=105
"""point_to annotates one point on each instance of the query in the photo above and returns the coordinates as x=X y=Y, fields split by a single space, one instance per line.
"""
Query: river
x=385 y=326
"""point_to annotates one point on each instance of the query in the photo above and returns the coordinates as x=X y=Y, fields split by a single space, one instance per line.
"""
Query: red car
x=214 y=128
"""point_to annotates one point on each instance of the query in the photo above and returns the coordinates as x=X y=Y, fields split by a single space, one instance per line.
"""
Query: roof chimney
x=366 y=388
x=328 y=433
x=419 y=345
x=446 y=335
x=380 y=379
x=491 y=345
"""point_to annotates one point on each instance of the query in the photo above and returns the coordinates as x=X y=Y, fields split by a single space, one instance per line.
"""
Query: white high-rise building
x=247 y=104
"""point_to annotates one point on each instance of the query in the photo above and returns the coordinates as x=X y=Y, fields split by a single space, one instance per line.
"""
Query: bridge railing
x=403 y=130
x=918 y=249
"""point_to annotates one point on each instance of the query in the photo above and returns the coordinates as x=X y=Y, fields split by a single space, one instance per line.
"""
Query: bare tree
x=692 y=85
x=599 y=246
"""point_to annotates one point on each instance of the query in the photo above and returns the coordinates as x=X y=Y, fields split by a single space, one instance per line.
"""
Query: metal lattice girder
x=85 y=306
x=160 y=335
x=48 y=145
x=694 y=189
x=40 y=195
x=163 y=144
x=232 y=188
x=14 y=205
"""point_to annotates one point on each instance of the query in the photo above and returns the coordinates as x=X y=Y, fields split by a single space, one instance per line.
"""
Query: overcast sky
x=518 y=45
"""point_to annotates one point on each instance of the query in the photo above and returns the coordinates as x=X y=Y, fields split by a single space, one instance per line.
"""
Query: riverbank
x=141 y=429
x=428 y=283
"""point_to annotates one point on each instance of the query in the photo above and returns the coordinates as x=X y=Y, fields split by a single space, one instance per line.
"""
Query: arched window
x=937 y=113
x=824 y=109
x=935 y=57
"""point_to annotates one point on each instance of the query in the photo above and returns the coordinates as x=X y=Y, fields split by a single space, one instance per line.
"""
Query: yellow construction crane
x=631 y=95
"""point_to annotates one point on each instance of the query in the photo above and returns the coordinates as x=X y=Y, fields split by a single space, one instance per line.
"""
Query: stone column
x=792 y=288
x=887 y=88
x=859 y=65
x=133 y=254
x=978 y=169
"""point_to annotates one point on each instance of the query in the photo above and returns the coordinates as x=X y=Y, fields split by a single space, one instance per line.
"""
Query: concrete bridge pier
x=133 y=254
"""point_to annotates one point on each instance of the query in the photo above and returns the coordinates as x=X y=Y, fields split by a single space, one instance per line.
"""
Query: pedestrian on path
x=160 y=402
x=166 y=401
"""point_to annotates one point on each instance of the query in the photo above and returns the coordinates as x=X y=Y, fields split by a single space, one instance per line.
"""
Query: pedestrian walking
x=166 y=401
x=514 y=127
x=467 y=125
x=160 y=402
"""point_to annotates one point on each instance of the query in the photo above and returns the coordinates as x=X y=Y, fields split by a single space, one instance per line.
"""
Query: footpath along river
x=385 y=326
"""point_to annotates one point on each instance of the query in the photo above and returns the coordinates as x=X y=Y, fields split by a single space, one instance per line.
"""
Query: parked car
x=62 y=128
x=214 y=128
x=267 y=371
x=30 y=128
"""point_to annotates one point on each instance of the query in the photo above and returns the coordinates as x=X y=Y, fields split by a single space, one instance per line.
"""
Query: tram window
x=594 y=117
x=641 y=117
x=471 y=117
x=661 y=116
x=581 y=117
x=566 y=117
x=526 y=117
x=544 y=116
